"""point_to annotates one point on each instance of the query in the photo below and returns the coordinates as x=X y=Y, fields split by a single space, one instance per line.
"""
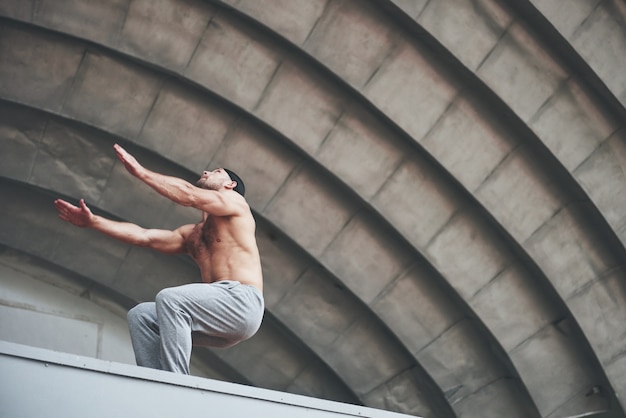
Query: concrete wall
x=439 y=185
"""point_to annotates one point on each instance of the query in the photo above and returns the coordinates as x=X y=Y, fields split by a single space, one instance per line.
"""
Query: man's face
x=213 y=180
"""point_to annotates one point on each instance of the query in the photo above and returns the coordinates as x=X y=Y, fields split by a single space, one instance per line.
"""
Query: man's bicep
x=165 y=241
x=216 y=203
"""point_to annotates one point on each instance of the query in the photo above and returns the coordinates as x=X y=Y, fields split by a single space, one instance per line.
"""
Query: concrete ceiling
x=439 y=186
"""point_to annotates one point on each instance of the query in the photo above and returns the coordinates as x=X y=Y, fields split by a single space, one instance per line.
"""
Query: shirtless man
x=227 y=307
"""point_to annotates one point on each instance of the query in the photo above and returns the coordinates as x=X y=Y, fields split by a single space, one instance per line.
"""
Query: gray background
x=439 y=188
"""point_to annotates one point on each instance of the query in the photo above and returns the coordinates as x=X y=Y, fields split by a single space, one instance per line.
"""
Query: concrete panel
x=20 y=10
x=112 y=94
x=404 y=392
x=605 y=26
x=37 y=68
x=282 y=264
x=416 y=201
x=85 y=320
x=600 y=309
x=411 y=90
x=274 y=359
x=187 y=126
x=180 y=215
x=85 y=251
x=47 y=330
x=292 y=19
x=553 y=372
x=99 y=21
x=306 y=200
x=521 y=72
x=23 y=224
x=417 y=309
x=616 y=371
x=144 y=272
x=266 y=359
x=318 y=310
x=468 y=253
x=366 y=258
x=73 y=160
x=302 y=105
x=603 y=176
x=38 y=231
x=356 y=138
x=21 y=130
x=590 y=402
x=469 y=29
x=164 y=31
x=461 y=362
x=309 y=383
x=496 y=401
x=571 y=125
x=365 y=343
x=566 y=16
x=352 y=39
x=514 y=308
x=569 y=252
x=139 y=204
x=262 y=161
x=413 y=8
x=520 y=195
x=469 y=141
x=234 y=60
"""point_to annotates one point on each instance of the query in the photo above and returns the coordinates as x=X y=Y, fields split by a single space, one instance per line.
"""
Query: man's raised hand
x=131 y=164
x=79 y=216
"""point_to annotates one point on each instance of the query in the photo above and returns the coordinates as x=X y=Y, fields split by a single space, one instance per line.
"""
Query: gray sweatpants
x=219 y=314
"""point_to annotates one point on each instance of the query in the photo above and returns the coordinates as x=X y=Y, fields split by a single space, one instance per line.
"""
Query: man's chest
x=203 y=237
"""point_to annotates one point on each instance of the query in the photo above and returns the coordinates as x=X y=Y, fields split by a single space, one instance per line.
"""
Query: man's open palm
x=79 y=216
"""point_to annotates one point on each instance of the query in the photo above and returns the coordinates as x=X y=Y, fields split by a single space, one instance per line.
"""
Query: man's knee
x=167 y=297
x=138 y=313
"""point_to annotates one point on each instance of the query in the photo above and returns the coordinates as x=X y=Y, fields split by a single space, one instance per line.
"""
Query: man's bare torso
x=224 y=248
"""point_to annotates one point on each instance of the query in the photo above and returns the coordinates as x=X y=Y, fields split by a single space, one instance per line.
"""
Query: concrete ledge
x=38 y=382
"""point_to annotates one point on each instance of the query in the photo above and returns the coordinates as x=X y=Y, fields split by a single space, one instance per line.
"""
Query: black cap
x=240 y=187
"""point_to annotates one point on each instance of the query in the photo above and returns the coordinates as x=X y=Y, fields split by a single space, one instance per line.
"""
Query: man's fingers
x=65 y=209
x=60 y=204
x=121 y=152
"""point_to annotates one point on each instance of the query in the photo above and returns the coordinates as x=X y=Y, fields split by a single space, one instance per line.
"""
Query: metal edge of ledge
x=193 y=382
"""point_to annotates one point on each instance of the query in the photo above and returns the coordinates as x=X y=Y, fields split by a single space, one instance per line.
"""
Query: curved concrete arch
x=516 y=32
x=104 y=59
x=128 y=259
x=548 y=215
x=581 y=130
x=49 y=293
x=602 y=125
x=589 y=24
x=572 y=119
x=155 y=274
x=580 y=297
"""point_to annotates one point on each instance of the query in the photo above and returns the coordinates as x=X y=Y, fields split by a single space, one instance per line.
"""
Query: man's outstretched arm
x=169 y=242
x=176 y=189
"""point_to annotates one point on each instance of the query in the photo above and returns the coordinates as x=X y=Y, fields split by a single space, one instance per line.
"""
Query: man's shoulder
x=239 y=203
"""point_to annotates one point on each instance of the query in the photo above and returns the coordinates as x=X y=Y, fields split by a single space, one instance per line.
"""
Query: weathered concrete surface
x=438 y=193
